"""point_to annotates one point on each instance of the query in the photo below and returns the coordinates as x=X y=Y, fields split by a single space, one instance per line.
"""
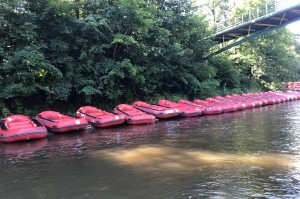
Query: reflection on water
x=22 y=150
x=165 y=159
x=247 y=154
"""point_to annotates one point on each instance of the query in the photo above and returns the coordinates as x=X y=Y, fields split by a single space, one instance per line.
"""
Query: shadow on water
x=77 y=143
x=161 y=159
x=22 y=150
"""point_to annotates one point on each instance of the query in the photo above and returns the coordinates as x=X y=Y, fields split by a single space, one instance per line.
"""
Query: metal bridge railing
x=270 y=7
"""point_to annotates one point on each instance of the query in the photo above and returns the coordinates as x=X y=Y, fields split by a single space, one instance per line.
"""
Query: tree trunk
x=77 y=9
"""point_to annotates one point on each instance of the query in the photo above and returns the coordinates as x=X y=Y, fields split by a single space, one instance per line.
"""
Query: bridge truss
x=274 y=15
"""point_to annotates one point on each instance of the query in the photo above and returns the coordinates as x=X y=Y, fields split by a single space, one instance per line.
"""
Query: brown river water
x=247 y=154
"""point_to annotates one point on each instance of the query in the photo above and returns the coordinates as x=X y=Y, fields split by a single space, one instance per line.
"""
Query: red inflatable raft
x=258 y=97
x=206 y=109
x=271 y=99
x=225 y=105
x=184 y=109
x=248 y=103
x=226 y=100
x=210 y=109
x=294 y=93
x=156 y=110
x=255 y=101
x=284 y=97
x=99 y=118
x=19 y=128
x=60 y=123
x=133 y=115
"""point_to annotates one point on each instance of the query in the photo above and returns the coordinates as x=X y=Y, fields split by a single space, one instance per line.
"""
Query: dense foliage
x=62 y=54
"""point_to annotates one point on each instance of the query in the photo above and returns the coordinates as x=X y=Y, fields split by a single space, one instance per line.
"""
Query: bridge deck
x=278 y=18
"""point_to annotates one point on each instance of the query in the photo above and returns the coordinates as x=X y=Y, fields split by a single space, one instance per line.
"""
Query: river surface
x=247 y=154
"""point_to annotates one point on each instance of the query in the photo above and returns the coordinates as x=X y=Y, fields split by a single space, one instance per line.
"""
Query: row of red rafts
x=20 y=127
x=293 y=86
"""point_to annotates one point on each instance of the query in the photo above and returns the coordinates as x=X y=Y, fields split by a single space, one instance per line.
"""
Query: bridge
x=273 y=15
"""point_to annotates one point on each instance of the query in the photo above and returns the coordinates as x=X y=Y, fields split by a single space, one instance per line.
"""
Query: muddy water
x=248 y=154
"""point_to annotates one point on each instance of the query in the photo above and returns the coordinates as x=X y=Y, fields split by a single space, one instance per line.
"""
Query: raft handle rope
x=50 y=120
x=123 y=112
x=87 y=114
